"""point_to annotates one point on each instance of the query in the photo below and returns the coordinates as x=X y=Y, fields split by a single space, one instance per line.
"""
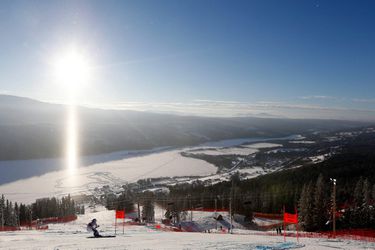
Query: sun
x=72 y=71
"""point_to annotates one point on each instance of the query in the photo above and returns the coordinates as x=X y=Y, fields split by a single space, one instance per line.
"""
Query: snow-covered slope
x=74 y=236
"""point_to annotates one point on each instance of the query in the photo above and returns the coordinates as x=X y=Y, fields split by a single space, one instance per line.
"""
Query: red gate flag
x=290 y=218
x=120 y=214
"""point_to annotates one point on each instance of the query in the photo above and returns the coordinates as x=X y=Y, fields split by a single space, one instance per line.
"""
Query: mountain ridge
x=32 y=129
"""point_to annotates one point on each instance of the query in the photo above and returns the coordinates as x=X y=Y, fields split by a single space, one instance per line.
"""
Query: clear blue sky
x=301 y=55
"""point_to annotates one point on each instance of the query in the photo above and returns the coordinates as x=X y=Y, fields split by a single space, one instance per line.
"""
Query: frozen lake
x=47 y=177
x=21 y=169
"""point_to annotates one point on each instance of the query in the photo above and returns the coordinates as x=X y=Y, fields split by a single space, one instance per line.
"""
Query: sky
x=298 y=59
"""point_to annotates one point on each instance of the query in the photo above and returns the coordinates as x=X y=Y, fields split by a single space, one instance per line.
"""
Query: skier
x=92 y=226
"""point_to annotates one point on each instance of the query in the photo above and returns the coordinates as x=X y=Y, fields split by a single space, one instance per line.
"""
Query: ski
x=103 y=236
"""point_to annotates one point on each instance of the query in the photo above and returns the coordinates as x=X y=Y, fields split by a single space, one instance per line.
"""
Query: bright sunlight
x=71 y=69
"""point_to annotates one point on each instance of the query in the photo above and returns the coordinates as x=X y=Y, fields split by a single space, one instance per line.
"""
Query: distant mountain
x=33 y=129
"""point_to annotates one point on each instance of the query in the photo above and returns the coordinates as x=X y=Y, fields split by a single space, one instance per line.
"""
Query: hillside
x=307 y=187
x=32 y=129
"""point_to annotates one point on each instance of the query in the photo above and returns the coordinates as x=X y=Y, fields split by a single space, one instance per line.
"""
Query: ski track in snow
x=73 y=235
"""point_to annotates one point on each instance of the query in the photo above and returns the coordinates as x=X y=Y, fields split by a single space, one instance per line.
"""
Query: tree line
x=132 y=201
x=16 y=214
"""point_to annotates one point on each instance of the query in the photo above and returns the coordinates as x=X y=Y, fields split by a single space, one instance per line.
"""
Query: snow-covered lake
x=113 y=169
x=85 y=179
x=20 y=169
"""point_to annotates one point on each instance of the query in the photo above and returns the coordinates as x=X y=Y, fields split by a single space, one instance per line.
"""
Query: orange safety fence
x=50 y=220
x=9 y=228
x=64 y=219
x=268 y=216
x=40 y=224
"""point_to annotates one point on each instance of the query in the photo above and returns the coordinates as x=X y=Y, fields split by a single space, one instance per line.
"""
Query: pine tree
x=366 y=190
x=16 y=214
x=7 y=213
x=2 y=211
x=148 y=211
x=23 y=214
x=320 y=215
x=372 y=207
x=306 y=207
x=358 y=193
x=356 y=217
x=365 y=207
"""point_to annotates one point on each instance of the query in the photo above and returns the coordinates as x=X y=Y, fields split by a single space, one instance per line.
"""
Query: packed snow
x=73 y=235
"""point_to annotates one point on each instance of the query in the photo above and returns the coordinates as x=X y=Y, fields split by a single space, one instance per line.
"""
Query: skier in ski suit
x=92 y=226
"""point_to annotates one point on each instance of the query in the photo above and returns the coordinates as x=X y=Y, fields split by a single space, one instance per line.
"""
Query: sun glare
x=72 y=71
x=71 y=140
